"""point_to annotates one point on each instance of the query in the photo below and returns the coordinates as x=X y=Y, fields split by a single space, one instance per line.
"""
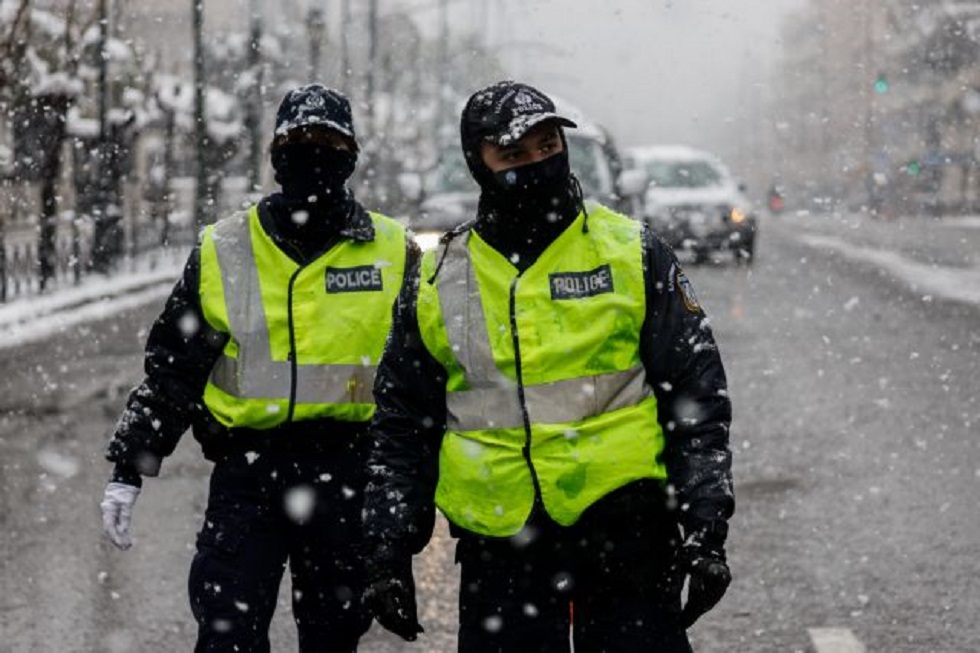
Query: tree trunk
x=55 y=112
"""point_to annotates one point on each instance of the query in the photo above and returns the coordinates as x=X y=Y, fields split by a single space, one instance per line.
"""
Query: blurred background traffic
x=127 y=126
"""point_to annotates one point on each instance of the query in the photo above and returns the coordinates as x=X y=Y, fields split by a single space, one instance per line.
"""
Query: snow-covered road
x=857 y=465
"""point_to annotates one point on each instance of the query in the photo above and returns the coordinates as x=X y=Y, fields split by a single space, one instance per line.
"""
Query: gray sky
x=650 y=70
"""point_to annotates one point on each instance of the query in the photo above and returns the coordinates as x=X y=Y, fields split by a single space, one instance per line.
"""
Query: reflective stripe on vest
x=590 y=432
x=491 y=401
x=248 y=386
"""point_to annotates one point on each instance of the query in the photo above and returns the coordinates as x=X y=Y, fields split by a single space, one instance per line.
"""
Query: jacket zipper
x=520 y=388
x=293 y=363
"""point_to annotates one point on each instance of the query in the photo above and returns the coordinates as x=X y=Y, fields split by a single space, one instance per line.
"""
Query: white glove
x=117 y=511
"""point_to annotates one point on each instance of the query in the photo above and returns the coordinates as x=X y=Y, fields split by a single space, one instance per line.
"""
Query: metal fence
x=149 y=230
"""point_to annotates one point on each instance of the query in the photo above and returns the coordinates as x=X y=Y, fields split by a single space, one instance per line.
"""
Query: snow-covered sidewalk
x=937 y=258
x=31 y=318
x=959 y=284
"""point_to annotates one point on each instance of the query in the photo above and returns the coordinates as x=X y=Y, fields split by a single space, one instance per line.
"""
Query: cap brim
x=307 y=121
x=521 y=125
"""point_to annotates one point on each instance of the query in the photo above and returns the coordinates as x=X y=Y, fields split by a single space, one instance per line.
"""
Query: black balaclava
x=315 y=201
x=523 y=209
x=313 y=173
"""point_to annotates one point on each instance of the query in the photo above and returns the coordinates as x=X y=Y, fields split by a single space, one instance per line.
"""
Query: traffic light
x=881 y=84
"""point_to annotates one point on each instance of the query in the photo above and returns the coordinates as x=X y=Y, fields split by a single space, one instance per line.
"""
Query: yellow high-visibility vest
x=304 y=340
x=546 y=392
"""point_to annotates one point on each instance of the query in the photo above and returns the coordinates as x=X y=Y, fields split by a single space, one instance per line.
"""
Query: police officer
x=552 y=385
x=268 y=347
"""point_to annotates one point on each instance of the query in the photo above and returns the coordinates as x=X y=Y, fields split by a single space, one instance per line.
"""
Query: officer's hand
x=390 y=595
x=117 y=512
x=709 y=576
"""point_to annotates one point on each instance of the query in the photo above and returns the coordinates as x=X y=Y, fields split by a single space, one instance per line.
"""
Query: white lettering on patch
x=364 y=278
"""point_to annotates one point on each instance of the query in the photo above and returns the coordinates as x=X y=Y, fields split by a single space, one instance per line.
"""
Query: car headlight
x=737 y=215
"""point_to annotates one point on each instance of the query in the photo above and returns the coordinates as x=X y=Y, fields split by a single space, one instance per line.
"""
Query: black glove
x=390 y=595
x=703 y=555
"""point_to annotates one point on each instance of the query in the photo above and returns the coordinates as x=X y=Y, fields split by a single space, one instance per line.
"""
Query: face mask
x=305 y=170
x=534 y=190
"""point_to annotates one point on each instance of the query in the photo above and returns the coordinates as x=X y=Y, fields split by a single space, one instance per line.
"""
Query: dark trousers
x=300 y=505
x=610 y=582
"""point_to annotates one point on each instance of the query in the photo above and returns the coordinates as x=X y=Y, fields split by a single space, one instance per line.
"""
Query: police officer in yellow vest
x=268 y=347
x=552 y=385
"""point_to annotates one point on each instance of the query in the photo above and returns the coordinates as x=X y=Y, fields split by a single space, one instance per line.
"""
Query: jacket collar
x=357 y=225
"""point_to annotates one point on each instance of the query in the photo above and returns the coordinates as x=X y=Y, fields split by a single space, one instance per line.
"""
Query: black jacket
x=683 y=367
x=182 y=348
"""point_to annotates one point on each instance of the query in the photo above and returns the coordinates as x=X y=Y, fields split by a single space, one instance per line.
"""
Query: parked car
x=447 y=194
x=694 y=203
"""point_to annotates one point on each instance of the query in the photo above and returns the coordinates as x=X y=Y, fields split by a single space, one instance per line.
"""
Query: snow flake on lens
x=472 y=448
x=493 y=623
x=221 y=625
x=188 y=324
x=300 y=502
x=57 y=463
x=562 y=581
x=688 y=411
x=530 y=610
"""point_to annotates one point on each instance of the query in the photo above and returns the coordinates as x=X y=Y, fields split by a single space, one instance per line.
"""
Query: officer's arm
x=685 y=370
x=405 y=434
x=181 y=349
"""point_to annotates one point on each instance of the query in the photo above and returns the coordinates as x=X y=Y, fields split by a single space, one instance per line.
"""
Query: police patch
x=363 y=278
x=686 y=290
x=578 y=285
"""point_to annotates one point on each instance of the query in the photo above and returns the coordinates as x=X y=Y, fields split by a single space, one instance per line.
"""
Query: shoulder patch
x=686 y=290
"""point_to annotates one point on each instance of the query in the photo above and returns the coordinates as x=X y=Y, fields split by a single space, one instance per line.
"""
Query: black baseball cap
x=315 y=104
x=504 y=112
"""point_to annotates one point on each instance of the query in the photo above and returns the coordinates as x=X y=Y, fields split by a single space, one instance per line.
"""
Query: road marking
x=835 y=640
